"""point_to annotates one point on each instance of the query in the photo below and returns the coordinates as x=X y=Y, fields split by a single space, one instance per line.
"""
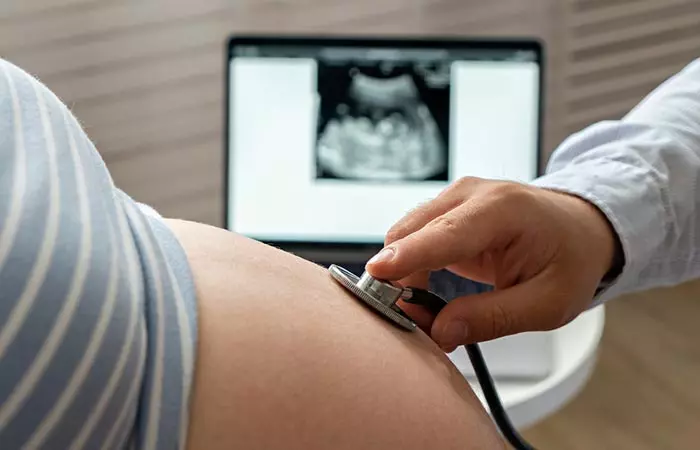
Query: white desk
x=575 y=352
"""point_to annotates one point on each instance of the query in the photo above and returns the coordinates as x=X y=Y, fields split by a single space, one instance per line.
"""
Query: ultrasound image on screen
x=383 y=121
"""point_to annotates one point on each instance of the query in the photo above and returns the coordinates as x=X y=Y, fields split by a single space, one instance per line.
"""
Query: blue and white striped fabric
x=97 y=303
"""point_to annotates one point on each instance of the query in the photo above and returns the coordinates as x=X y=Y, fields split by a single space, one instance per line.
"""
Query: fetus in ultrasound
x=382 y=123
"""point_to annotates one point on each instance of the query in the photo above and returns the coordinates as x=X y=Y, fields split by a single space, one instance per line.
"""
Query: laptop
x=331 y=140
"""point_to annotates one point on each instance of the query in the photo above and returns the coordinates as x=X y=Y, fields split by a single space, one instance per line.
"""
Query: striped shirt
x=97 y=303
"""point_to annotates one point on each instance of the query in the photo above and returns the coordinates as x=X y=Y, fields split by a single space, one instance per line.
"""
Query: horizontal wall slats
x=622 y=13
x=608 y=91
x=145 y=78
x=610 y=65
x=621 y=40
x=13 y=10
x=618 y=51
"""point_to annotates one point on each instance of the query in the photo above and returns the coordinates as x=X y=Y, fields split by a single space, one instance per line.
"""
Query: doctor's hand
x=545 y=253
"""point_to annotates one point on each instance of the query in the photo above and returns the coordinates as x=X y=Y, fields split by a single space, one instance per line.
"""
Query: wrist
x=618 y=261
x=599 y=231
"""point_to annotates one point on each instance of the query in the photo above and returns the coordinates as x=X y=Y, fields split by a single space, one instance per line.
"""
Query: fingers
x=421 y=316
x=451 y=197
x=419 y=279
x=477 y=318
x=421 y=215
x=460 y=234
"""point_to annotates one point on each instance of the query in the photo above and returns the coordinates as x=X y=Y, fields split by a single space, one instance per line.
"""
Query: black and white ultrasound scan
x=383 y=121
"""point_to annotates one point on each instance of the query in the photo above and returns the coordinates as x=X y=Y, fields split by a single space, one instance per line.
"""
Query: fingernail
x=453 y=334
x=384 y=256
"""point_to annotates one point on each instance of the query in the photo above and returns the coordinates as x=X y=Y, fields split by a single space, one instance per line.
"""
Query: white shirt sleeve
x=642 y=172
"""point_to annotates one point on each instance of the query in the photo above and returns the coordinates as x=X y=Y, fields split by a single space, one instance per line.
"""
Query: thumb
x=459 y=235
x=491 y=315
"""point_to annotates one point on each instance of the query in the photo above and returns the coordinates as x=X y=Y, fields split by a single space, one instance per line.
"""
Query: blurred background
x=146 y=80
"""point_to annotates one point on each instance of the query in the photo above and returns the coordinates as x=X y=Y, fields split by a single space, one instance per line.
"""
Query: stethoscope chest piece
x=378 y=295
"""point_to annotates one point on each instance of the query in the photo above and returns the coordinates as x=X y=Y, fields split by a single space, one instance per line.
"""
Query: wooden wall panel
x=146 y=77
x=619 y=50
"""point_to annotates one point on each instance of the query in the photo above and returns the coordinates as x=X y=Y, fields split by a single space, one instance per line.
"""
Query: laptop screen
x=333 y=141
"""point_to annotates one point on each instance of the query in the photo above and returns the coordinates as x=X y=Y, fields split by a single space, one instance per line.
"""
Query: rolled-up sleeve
x=642 y=172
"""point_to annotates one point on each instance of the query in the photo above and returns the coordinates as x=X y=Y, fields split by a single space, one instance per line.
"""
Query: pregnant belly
x=287 y=359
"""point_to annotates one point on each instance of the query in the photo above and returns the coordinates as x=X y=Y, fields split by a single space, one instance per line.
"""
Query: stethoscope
x=382 y=297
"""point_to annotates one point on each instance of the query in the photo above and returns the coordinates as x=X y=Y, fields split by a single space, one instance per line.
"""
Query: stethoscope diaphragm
x=379 y=295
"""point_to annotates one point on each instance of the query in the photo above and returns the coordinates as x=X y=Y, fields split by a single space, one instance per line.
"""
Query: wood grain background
x=145 y=77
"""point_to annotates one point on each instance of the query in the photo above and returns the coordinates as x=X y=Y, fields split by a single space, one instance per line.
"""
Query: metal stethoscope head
x=382 y=296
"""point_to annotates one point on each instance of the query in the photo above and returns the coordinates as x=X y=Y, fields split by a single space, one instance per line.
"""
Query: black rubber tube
x=498 y=413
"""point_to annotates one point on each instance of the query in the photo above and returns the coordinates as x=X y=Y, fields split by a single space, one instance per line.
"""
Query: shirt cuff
x=618 y=190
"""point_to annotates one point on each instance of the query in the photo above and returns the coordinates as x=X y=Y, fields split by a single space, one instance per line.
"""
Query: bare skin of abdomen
x=287 y=359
